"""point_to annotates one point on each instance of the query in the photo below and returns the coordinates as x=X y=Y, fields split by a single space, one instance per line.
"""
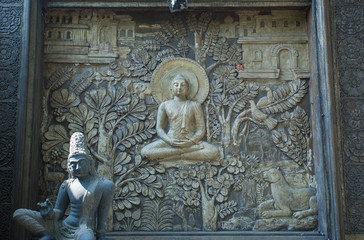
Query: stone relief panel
x=200 y=119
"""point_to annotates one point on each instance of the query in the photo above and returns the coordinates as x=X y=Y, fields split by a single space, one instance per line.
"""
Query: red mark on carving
x=239 y=67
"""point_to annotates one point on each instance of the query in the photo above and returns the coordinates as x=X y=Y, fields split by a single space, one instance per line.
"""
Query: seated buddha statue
x=181 y=127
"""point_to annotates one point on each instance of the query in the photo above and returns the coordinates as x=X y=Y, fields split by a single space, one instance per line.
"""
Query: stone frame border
x=324 y=96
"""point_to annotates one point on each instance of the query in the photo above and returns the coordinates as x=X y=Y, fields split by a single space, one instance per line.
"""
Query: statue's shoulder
x=66 y=183
x=106 y=184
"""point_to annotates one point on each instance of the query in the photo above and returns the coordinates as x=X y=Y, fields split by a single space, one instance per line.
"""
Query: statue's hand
x=46 y=209
x=183 y=143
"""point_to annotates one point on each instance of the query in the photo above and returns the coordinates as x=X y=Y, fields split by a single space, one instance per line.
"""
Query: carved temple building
x=267 y=143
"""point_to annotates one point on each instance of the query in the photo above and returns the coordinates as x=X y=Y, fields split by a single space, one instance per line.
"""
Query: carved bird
x=264 y=101
x=271 y=123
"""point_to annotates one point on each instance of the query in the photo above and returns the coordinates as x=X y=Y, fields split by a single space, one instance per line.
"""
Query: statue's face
x=79 y=166
x=179 y=87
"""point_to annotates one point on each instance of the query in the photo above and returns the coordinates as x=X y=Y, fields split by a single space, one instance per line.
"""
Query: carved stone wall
x=100 y=73
x=350 y=35
x=10 y=51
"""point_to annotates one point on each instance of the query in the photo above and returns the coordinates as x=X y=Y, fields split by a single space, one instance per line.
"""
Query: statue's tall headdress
x=78 y=145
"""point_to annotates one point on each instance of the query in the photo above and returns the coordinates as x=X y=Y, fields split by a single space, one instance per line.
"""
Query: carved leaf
x=221 y=50
x=118 y=96
x=250 y=91
x=64 y=99
x=179 y=27
x=126 y=199
x=149 y=185
x=80 y=84
x=145 y=64
x=285 y=144
x=81 y=119
x=56 y=135
x=183 y=48
x=161 y=38
x=286 y=97
x=302 y=120
x=151 y=45
x=234 y=54
x=226 y=208
x=59 y=77
x=211 y=38
x=121 y=160
x=203 y=22
x=225 y=74
x=157 y=216
x=134 y=133
x=137 y=108
x=165 y=54
x=192 y=22
x=98 y=100
x=169 y=29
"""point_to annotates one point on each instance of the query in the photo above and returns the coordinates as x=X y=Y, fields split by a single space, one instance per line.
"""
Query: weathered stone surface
x=290 y=224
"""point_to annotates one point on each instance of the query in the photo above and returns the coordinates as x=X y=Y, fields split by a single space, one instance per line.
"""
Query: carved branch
x=98 y=157
x=119 y=181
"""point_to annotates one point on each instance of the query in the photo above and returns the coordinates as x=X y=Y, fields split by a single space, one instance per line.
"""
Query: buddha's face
x=179 y=87
x=79 y=166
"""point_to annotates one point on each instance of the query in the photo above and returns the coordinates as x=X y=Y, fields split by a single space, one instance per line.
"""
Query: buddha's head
x=179 y=86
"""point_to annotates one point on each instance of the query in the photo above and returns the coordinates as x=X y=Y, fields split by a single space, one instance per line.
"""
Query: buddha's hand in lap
x=180 y=143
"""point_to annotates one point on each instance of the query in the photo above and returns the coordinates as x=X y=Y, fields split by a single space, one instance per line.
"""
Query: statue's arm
x=162 y=121
x=46 y=208
x=62 y=201
x=200 y=124
x=104 y=208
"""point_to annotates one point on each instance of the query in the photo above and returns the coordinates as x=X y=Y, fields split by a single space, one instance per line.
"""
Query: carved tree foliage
x=112 y=105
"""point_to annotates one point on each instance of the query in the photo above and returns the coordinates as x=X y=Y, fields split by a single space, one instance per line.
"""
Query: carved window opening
x=130 y=34
x=262 y=24
x=68 y=37
x=274 y=24
x=285 y=24
x=123 y=33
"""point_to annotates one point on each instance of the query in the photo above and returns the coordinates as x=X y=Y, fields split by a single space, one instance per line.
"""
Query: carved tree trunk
x=104 y=148
x=106 y=170
x=199 y=57
x=209 y=214
x=226 y=135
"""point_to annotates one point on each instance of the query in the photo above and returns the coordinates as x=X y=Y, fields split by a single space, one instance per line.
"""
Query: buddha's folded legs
x=207 y=152
x=159 y=150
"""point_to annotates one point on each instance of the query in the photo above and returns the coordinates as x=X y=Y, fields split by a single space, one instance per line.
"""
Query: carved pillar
x=10 y=62
x=20 y=54
x=349 y=69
